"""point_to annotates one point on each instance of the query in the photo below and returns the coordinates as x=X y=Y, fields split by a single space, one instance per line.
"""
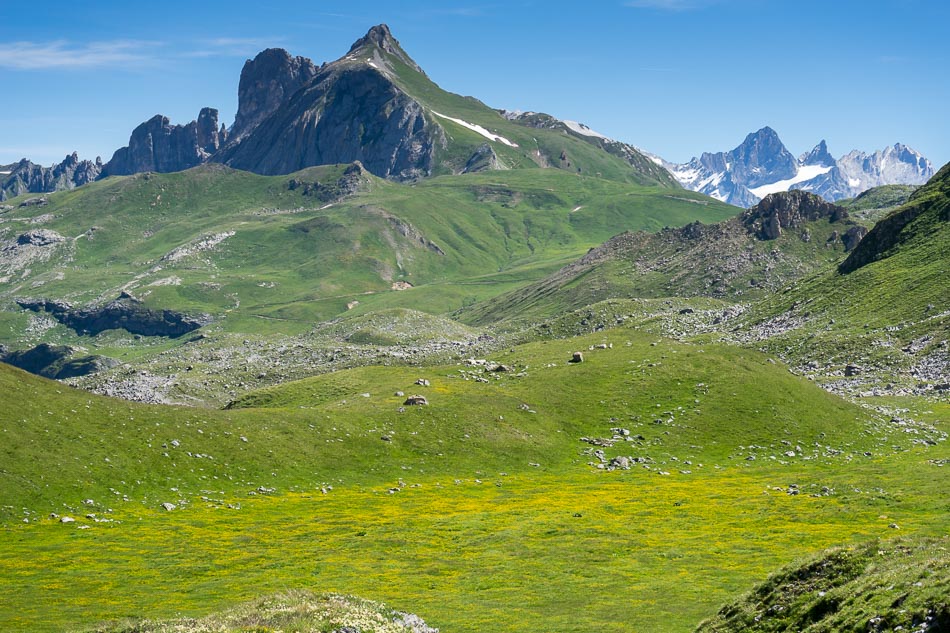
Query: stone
x=416 y=400
x=169 y=506
x=852 y=370
x=577 y=357
x=67 y=520
x=422 y=382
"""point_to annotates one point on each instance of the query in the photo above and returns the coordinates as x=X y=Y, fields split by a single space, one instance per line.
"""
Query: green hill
x=737 y=259
x=892 y=585
x=294 y=250
x=884 y=307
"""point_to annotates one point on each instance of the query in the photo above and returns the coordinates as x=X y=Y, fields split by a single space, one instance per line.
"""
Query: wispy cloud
x=669 y=5
x=62 y=54
x=232 y=46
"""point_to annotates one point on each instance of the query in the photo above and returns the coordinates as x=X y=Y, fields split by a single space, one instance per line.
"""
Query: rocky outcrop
x=159 y=146
x=267 y=82
x=788 y=210
x=353 y=180
x=125 y=313
x=483 y=159
x=56 y=361
x=28 y=177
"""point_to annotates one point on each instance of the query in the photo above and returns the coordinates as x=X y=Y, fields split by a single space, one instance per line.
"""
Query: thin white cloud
x=232 y=46
x=61 y=54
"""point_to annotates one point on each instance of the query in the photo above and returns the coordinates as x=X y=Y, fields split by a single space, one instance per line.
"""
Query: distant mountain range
x=761 y=165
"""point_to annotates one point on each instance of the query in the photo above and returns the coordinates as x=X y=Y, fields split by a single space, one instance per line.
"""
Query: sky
x=675 y=77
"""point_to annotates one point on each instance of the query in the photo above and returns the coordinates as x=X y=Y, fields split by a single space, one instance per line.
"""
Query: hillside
x=281 y=253
x=614 y=476
x=883 y=308
x=784 y=237
x=890 y=585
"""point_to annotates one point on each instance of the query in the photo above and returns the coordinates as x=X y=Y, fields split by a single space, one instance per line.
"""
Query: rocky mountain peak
x=267 y=81
x=818 y=156
x=382 y=38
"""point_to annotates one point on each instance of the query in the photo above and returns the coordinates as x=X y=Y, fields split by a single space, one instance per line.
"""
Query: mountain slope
x=892 y=585
x=885 y=306
x=785 y=237
x=299 y=248
x=761 y=165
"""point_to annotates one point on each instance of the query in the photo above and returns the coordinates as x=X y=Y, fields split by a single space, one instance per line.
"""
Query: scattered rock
x=577 y=357
x=422 y=382
x=169 y=506
x=416 y=400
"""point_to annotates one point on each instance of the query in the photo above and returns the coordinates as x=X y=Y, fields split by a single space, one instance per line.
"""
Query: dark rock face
x=853 y=236
x=56 y=362
x=123 y=313
x=350 y=182
x=158 y=146
x=39 y=237
x=28 y=177
x=346 y=114
x=484 y=159
x=267 y=82
x=788 y=210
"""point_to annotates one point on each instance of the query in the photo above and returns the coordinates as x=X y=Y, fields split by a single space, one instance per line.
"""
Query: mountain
x=377 y=106
x=157 y=145
x=785 y=237
x=27 y=177
x=884 y=306
x=761 y=165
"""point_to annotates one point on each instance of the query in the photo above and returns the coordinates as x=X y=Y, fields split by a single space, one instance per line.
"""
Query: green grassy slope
x=892 y=585
x=890 y=311
x=724 y=260
x=276 y=252
x=483 y=509
x=873 y=204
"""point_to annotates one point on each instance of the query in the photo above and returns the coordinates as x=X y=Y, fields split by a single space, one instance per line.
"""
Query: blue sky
x=676 y=77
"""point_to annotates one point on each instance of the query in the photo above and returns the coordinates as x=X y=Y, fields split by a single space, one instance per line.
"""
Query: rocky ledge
x=126 y=313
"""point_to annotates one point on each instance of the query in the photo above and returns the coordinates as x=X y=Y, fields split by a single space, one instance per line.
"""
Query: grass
x=894 y=585
x=292 y=262
x=448 y=517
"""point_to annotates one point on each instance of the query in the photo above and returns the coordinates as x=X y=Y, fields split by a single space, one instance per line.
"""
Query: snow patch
x=373 y=65
x=582 y=129
x=4 y=173
x=805 y=172
x=656 y=159
x=853 y=182
x=477 y=128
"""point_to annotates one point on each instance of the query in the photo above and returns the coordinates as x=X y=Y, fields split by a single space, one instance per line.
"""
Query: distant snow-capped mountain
x=761 y=165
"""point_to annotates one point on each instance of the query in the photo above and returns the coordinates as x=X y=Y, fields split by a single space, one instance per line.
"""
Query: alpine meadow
x=378 y=357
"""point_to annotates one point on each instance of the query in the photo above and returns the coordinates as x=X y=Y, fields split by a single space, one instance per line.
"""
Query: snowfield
x=580 y=128
x=805 y=172
x=477 y=128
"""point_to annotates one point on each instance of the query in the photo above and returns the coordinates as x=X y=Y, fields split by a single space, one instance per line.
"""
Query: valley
x=379 y=357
